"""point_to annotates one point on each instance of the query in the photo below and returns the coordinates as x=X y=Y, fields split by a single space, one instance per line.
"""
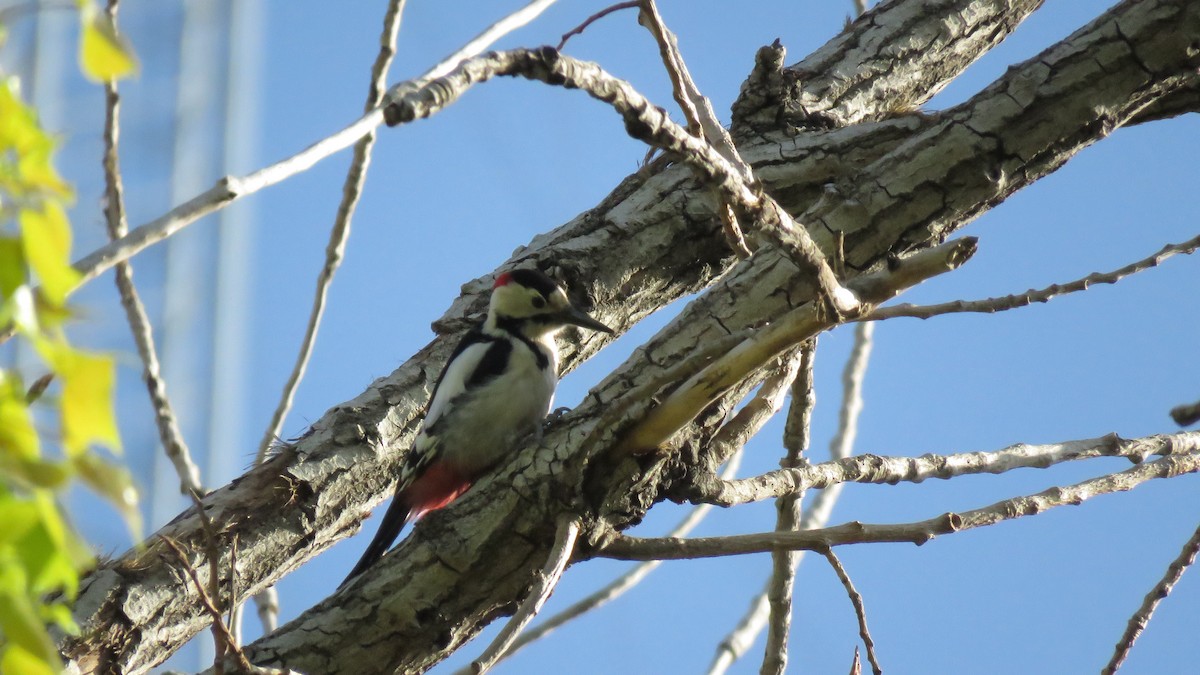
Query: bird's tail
x=440 y=484
x=398 y=515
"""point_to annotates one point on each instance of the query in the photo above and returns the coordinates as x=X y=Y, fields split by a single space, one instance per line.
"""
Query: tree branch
x=787 y=516
x=860 y=609
x=880 y=470
x=560 y=555
x=139 y=323
x=1140 y=618
x=992 y=305
x=623 y=547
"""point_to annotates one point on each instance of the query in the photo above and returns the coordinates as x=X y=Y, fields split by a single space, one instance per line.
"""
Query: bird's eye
x=538 y=301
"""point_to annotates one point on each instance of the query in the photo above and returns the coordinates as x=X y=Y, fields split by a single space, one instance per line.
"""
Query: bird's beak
x=577 y=317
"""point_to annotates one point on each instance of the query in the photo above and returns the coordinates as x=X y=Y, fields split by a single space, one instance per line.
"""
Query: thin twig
x=669 y=52
x=222 y=636
x=335 y=250
x=992 y=305
x=623 y=547
x=875 y=469
x=860 y=609
x=212 y=554
x=267 y=600
x=139 y=322
x=560 y=555
x=619 y=586
x=1140 y=618
x=698 y=112
x=578 y=30
x=781 y=584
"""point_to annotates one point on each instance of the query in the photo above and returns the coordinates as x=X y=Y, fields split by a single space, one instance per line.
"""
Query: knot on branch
x=758 y=103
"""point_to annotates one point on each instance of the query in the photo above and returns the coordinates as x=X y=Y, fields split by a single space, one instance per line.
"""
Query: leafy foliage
x=41 y=557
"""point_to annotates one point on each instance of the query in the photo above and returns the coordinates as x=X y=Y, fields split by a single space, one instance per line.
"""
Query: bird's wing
x=478 y=358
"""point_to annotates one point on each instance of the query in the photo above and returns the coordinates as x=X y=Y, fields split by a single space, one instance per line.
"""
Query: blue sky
x=449 y=198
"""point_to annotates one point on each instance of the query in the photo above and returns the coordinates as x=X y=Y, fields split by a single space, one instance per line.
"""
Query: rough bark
x=899 y=184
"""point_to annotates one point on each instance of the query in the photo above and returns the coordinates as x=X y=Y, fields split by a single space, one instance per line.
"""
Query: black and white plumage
x=497 y=387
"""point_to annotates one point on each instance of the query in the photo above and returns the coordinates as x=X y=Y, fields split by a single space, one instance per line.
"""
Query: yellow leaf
x=104 y=54
x=14 y=659
x=87 y=400
x=46 y=238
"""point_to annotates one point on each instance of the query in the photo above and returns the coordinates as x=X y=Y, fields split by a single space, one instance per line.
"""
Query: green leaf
x=18 y=516
x=104 y=54
x=115 y=483
x=23 y=629
x=18 y=437
x=46 y=239
x=12 y=266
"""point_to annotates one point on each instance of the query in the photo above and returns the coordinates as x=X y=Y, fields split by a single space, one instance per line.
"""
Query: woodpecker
x=497 y=387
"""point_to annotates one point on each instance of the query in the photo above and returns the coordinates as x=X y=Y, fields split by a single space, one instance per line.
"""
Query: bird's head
x=534 y=304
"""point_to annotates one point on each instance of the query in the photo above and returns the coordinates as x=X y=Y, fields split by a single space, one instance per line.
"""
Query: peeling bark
x=899 y=183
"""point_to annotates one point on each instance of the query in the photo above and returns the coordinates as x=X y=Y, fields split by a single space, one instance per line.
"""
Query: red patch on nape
x=502 y=280
x=434 y=489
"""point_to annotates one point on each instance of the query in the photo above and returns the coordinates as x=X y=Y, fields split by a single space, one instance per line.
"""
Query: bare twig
x=787 y=519
x=1186 y=414
x=992 y=305
x=1140 y=618
x=139 y=323
x=633 y=548
x=860 y=609
x=698 y=112
x=668 y=50
x=336 y=248
x=578 y=30
x=224 y=639
x=876 y=469
x=560 y=555
x=619 y=586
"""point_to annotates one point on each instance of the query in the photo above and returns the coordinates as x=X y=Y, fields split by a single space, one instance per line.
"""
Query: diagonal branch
x=135 y=312
x=267 y=600
x=560 y=555
x=644 y=121
x=992 y=305
x=860 y=609
x=1140 y=618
